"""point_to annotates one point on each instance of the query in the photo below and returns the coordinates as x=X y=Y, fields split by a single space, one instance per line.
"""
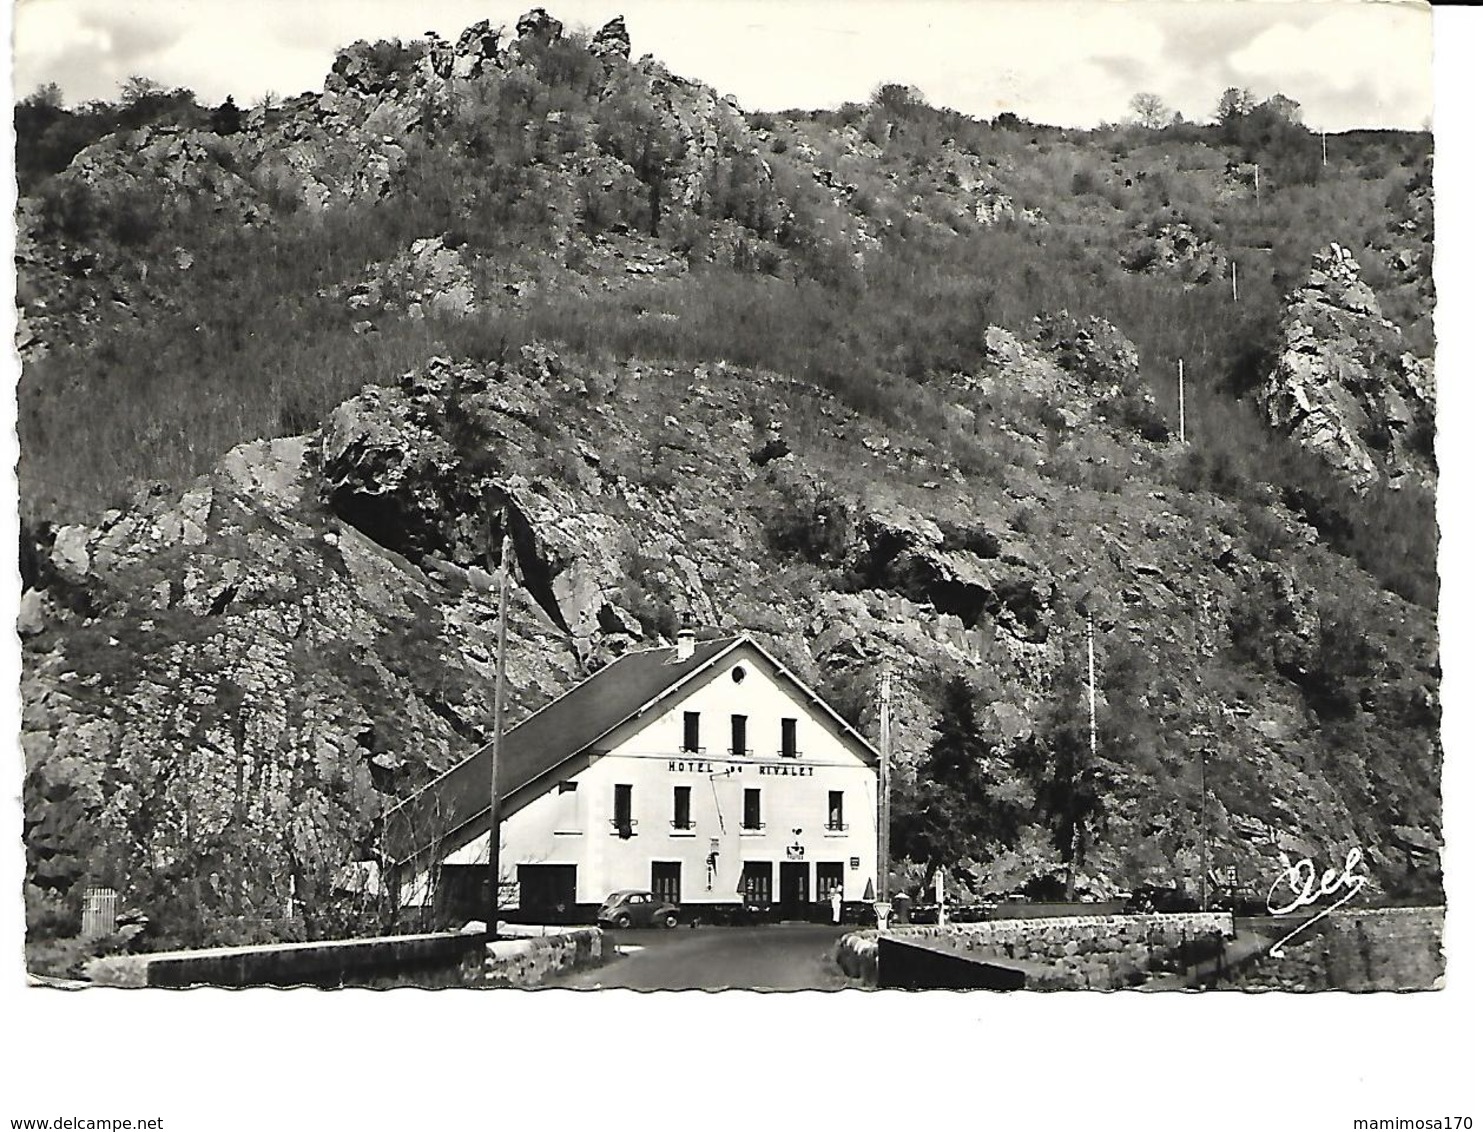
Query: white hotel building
x=707 y=773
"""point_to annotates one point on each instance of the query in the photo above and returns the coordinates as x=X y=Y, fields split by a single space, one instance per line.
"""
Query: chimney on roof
x=684 y=642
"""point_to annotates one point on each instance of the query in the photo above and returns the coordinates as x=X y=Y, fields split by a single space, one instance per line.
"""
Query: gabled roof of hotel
x=568 y=726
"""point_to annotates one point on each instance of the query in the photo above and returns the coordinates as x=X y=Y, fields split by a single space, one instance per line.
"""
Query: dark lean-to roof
x=567 y=726
x=446 y=809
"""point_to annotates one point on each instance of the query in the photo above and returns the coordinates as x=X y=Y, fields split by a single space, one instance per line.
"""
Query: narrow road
x=772 y=957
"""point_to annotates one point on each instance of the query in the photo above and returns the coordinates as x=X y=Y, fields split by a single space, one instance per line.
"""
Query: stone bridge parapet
x=1062 y=952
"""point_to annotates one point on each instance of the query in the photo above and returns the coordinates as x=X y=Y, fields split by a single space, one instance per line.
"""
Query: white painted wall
x=558 y=828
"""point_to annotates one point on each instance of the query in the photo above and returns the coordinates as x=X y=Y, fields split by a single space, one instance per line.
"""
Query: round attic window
x=738 y=674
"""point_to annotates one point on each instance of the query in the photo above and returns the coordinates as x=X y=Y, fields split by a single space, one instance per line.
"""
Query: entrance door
x=793 y=888
x=756 y=883
x=664 y=879
x=548 y=893
x=830 y=876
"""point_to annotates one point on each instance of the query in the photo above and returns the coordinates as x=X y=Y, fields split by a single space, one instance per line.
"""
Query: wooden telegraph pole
x=499 y=723
x=1204 y=837
x=1092 y=685
x=883 y=819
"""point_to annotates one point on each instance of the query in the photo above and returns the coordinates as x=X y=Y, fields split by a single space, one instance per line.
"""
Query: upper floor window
x=752 y=809
x=623 y=809
x=739 y=735
x=682 y=819
x=789 y=749
x=691 y=739
x=836 y=810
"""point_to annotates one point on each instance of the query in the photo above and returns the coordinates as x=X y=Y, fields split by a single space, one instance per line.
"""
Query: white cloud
x=1075 y=62
x=46 y=32
x=1382 y=52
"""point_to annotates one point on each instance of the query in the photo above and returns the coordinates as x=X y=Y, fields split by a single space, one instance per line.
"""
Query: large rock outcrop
x=223 y=691
x=349 y=144
x=434 y=469
x=611 y=40
x=1175 y=249
x=1345 y=387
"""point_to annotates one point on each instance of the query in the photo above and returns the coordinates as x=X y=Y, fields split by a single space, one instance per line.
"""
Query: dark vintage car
x=1161 y=898
x=635 y=908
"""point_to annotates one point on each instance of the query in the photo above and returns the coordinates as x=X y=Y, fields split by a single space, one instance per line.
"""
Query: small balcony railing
x=624 y=827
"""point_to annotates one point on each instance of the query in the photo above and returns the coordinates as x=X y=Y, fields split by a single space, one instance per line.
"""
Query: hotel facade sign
x=703 y=766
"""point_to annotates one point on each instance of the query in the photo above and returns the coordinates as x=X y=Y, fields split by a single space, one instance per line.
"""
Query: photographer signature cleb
x=1299 y=885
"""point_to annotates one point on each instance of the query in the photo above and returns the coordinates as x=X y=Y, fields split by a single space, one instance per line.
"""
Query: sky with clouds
x=1351 y=63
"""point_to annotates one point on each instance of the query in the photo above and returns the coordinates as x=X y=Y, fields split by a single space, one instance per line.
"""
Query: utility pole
x=499 y=722
x=1258 y=169
x=1204 y=836
x=1092 y=685
x=1325 y=136
x=1235 y=298
x=1092 y=718
x=883 y=819
x=1181 y=400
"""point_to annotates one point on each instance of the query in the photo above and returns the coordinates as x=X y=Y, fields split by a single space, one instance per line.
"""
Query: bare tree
x=1150 y=111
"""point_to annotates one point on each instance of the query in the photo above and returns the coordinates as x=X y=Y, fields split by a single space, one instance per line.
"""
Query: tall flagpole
x=1092 y=716
x=883 y=819
x=1181 y=400
x=499 y=723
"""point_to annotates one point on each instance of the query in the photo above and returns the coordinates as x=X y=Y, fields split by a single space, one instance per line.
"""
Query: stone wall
x=857 y=955
x=323 y=964
x=437 y=959
x=1072 y=952
x=1383 y=949
x=529 y=962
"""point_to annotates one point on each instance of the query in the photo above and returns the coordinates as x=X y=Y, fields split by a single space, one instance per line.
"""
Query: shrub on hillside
x=51 y=914
x=1141 y=415
x=812 y=524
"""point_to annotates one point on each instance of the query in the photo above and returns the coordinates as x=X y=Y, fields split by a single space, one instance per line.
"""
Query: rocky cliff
x=224 y=690
x=1344 y=384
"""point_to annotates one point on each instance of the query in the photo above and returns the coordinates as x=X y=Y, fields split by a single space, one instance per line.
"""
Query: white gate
x=99 y=912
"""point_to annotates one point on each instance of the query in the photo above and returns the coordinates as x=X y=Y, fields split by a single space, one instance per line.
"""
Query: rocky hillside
x=238 y=680
x=884 y=386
